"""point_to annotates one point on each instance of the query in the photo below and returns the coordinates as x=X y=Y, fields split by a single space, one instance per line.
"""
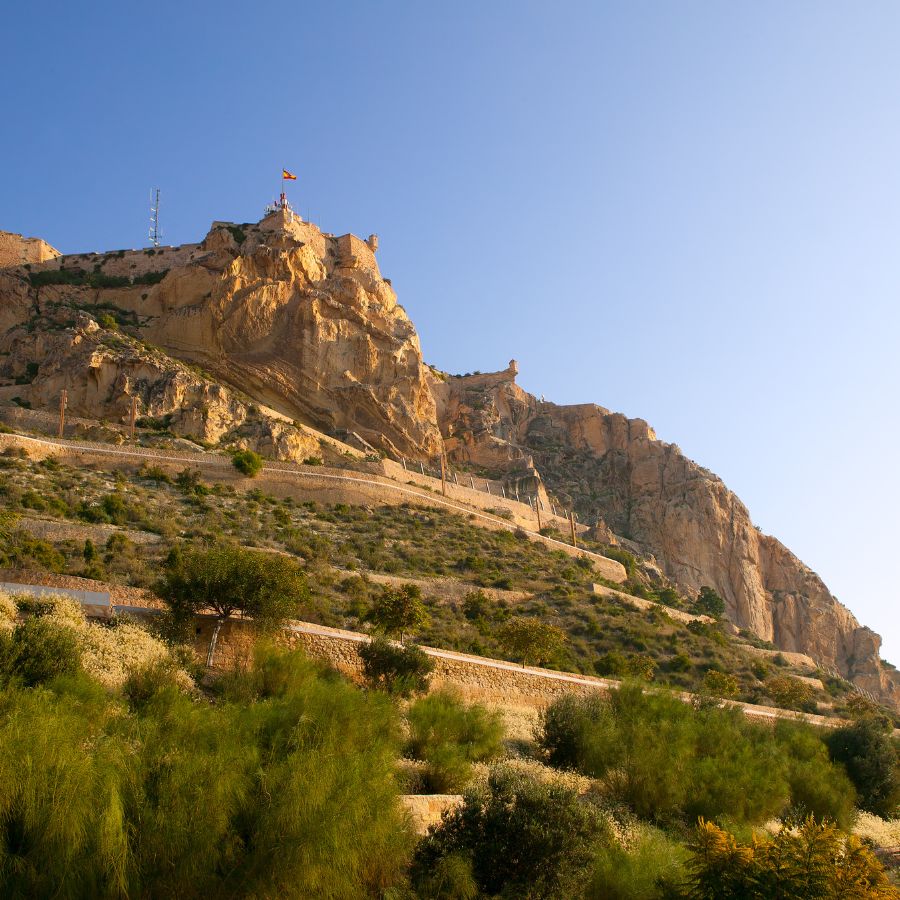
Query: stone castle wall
x=16 y=250
x=127 y=262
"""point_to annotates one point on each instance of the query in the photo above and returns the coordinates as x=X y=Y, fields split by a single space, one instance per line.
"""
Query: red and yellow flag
x=286 y=176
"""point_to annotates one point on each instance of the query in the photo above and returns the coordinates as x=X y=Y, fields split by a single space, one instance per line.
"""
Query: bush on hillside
x=184 y=799
x=397 y=669
x=247 y=463
x=521 y=838
x=871 y=760
x=818 y=787
x=37 y=651
x=651 y=864
x=814 y=861
x=667 y=760
x=449 y=736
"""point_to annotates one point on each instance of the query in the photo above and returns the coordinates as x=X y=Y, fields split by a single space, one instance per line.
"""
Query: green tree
x=866 y=751
x=247 y=462
x=397 y=610
x=522 y=838
x=228 y=579
x=531 y=639
x=709 y=603
x=720 y=684
x=397 y=669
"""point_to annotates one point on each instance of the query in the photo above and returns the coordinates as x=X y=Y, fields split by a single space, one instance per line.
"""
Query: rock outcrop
x=299 y=321
x=613 y=469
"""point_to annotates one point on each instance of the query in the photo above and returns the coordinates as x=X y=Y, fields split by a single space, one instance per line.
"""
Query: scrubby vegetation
x=283 y=786
x=280 y=778
x=341 y=545
x=670 y=762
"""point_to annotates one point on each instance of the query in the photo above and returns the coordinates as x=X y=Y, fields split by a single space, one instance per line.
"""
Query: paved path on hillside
x=387 y=483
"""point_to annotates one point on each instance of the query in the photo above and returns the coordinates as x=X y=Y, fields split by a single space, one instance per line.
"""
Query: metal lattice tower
x=155 y=232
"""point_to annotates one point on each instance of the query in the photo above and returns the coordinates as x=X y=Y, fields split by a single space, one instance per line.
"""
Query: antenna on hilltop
x=155 y=232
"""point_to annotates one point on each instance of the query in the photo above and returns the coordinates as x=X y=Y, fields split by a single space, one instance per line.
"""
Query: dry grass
x=8 y=613
x=883 y=833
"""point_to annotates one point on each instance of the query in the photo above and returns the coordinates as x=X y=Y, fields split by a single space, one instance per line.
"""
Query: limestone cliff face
x=305 y=324
x=613 y=468
x=276 y=315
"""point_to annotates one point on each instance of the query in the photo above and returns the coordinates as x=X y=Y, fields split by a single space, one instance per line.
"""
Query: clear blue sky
x=688 y=212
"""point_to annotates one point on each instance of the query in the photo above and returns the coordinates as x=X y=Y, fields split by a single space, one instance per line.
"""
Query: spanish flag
x=286 y=176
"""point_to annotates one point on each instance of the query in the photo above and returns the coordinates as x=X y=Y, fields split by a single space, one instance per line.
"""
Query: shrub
x=562 y=724
x=522 y=838
x=36 y=652
x=635 y=872
x=814 y=862
x=192 y=800
x=866 y=751
x=449 y=736
x=612 y=664
x=247 y=463
x=791 y=693
x=394 y=668
x=818 y=787
x=715 y=762
x=720 y=684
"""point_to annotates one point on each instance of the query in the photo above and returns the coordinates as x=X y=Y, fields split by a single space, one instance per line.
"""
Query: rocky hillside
x=274 y=334
x=614 y=471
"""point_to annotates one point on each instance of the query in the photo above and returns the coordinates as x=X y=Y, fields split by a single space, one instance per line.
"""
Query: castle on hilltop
x=16 y=250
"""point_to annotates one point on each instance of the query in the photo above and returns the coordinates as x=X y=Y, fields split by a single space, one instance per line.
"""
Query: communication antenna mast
x=155 y=233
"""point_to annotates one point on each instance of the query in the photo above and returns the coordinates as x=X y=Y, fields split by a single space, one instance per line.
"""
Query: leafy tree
x=247 y=462
x=394 y=668
x=229 y=579
x=791 y=693
x=866 y=751
x=531 y=639
x=709 y=603
x=522 y=838
x=720 y=684
x=398 y=609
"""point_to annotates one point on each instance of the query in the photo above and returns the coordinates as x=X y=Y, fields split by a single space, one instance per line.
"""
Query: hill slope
x=274 y=335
